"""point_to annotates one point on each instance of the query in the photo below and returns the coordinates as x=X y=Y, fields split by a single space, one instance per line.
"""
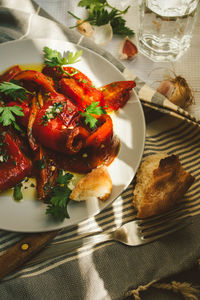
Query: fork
x=133 y=233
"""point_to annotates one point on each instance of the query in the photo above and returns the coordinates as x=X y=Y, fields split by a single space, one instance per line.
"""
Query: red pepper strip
x=46 y=174
x=40 y=99
x=32 y=116
x=57 y=74
x=42 y=80
x=17 y=165
x=82 y=95
x=103 y=132
x=76 y=139
x=78 y=76
x=116 y=94
x=10 y=73
x=53 y=72
x=57 y=137
x=55 y=133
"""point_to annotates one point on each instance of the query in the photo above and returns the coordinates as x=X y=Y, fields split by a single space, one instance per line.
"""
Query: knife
x=66 y=247
x=23 y=250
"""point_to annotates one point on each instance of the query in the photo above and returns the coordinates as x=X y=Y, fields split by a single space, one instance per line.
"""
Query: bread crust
x=96 y=184
x=168 y=182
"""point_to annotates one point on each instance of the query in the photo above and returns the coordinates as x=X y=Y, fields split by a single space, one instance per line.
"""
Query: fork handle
x=63 y=248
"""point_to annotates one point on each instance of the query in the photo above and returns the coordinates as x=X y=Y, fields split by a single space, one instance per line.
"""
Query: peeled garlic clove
x=85 y=28
x=128 y=49
x=166 y=88
x=103 y=34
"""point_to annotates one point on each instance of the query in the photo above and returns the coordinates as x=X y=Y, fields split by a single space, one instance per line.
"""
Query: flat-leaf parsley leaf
x=17 y=193
x=60 y=197
x=92 y=109
x=53 y=58
x=14 y=90
x=7 y=115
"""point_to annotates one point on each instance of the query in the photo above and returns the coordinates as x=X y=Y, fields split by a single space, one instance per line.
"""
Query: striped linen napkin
x=175 y=132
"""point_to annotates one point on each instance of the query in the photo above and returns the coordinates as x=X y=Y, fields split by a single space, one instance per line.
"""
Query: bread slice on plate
x=95 y=185
x=161 y=183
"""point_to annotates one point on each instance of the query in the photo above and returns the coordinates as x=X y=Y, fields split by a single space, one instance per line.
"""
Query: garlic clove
x=102 y=34
x=128 y=50
x=85 y=28
x=166 y=88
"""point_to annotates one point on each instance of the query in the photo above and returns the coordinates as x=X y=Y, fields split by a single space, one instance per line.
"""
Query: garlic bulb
x=177 y=91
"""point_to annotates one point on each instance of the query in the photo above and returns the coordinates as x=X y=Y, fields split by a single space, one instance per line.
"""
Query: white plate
x=129 y=125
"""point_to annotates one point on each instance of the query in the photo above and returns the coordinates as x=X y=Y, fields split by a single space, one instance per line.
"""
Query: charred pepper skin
x=15 y=165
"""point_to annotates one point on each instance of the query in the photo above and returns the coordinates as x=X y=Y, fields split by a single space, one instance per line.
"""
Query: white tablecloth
x=187 y=66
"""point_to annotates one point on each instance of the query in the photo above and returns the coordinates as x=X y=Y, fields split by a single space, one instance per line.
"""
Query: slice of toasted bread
x=161 y=182
x=96 y=184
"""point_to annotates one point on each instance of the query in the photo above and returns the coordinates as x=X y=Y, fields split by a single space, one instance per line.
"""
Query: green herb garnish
x=60 y=197
x=53 y=58
x=95 y=109
x=17 y=193
x=13 y=90
x=51 y=112
x=7 y=115
x=101 y=13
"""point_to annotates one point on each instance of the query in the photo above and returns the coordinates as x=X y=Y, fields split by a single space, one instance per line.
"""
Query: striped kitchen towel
x=177 y=132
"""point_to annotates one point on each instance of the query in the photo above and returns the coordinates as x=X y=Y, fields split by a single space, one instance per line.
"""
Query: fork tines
x=173 y=220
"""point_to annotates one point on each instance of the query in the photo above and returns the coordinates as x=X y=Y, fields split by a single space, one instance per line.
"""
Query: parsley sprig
x=17 y=193
x=60 y=197
x=101 y=13
x=92 y=109
x=7 y=115
x=14 y=90
x=52 y=111
x=54 y=58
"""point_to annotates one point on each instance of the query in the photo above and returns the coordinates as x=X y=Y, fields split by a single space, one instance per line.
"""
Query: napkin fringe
x=141 y=288
x=184 y=288
x=189 y=119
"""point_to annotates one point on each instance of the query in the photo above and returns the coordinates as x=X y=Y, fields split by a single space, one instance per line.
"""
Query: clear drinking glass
x=166 y=27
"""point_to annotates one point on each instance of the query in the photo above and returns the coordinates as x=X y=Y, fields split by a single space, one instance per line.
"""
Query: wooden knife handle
x=22 y=251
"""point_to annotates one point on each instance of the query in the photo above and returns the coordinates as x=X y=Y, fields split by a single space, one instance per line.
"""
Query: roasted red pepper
x=116 y=94
x=10 y=73
x=81 y=94
x=59 y=132
x=32 y=116
x=102 y=133
x=40 y=79
x=14 y=165
x=46 y=173
x=78 y=76
x=57 y=74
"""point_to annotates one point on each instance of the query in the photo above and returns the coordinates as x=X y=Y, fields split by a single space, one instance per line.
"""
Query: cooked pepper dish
x=55 y=120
